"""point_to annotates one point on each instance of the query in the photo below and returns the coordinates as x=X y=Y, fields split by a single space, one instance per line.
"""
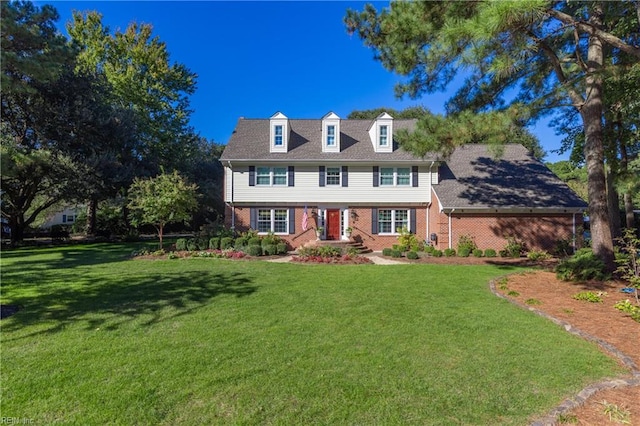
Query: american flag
x=305 y=219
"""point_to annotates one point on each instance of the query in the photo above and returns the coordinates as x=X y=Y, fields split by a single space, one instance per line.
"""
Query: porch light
x=354 y=215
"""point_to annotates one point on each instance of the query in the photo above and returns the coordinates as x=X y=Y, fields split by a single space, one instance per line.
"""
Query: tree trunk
x=160 y=232
x=613 y=202
x=92 y=208
x=591 y=112
x=628 y=211
x=17 y=229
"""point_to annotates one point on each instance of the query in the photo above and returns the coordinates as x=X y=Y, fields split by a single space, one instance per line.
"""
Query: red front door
x=333 y=224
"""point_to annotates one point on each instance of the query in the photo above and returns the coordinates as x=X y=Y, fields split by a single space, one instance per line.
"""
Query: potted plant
x=319 y=231
x=348 y=231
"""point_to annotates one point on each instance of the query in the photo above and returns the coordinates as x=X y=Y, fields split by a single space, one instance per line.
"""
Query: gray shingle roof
x=250 y=141
x=474 y=178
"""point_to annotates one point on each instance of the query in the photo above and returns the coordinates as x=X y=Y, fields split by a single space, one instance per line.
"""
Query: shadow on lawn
x=69 y=256
x=108 y=305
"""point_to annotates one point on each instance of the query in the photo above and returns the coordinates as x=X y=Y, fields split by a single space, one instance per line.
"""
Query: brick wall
x=538 y=232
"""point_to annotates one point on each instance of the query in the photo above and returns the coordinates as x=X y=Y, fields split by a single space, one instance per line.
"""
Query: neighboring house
x=352 y=174
x=67 y=216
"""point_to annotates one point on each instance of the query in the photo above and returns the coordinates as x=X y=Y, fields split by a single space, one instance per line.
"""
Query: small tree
x=167 y=198
x=629 y=260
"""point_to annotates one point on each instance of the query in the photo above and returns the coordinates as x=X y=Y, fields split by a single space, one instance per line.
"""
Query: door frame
x=344 y=216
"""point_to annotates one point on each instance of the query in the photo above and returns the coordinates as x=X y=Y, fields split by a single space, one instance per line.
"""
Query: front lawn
x=103 y=339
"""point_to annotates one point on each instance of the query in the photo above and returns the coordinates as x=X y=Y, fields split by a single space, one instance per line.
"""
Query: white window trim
x=335 y=140
x=326 y=176
x=394 y=226
x=395 y=178
x=272 y=176
x=380 y=135
x=281 y=135
x=272 y=224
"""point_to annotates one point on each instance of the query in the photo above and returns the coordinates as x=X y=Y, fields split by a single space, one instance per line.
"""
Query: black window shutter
x=321 y=180
x=374 y=221
x=345 y=176
x=253 y=218
x=292 y=220
x=64 y=218
x=376 y=176
x=414 y=172
x=291 y=176
x=412 y=221
x=252 y=175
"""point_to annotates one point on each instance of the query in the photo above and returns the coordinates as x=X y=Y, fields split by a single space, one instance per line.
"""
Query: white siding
x=307 y=189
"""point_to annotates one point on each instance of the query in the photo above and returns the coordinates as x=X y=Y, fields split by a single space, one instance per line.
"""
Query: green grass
x=102 y=339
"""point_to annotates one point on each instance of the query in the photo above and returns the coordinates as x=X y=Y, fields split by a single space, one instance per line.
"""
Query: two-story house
x=293 y=176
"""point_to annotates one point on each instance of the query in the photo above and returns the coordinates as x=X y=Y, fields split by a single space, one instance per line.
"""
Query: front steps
x=345 y=245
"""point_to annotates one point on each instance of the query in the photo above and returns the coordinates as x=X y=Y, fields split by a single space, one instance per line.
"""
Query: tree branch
x=576 y=98
x=594 y=31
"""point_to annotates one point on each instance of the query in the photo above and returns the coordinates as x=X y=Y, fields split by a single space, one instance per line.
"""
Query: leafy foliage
x=582 y=266
x=629 y=260
x=589 y=296
x=161 y=200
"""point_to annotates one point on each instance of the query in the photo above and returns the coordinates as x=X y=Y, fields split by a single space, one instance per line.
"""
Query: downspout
x=233 y=207
x=450 y=236
x=427 y=237
x=574 y=232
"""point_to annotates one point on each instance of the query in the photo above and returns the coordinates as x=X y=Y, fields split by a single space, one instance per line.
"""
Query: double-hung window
x=383 y=138
x=331 y=135
x=273 y=220
x=333 y=176
x=390 y=221
x=271 y=176
x=277 y=135
x=390 y=176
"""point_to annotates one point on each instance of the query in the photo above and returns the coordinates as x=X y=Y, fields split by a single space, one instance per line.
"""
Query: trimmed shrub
x=412 y=255
x=396 y=253
x=477 y=253
x=241 y=242
x=449 y=252
x=281 y=248
x=437 y=253
x=192 y=245
x=214 y=243
x=254 y=241
x=181 y=244
x=387 y=251
x=202 y=243
x=582 y=266
x=270 y=249
x=254 y=250
x=429 y=249
x=226 y=243
x=464 y=252
x=489 y=253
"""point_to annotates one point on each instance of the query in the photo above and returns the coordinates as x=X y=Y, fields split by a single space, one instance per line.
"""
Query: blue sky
x=255 y=58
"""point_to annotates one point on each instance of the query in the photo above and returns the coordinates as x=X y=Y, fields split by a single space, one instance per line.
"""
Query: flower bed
x=345 y=259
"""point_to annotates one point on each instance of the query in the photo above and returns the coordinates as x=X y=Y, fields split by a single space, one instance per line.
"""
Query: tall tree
x=34 y=56
x=533 y=55
x=143 y=80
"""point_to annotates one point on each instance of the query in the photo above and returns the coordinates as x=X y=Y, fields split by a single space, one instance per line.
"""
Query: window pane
x=386 y=176
x=402 y=219
x=280 y=221
x=404 y=176
x=383 y=135
x=263 y=177
x=384 y=221
x=278 y=135
x=264 y=220
x=331 y=135
x=333 y=175
x=279 y=175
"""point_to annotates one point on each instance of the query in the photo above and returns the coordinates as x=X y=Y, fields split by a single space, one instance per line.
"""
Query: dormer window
x=383 y=135
x=331 y=133
x=277 y=136
x=278 y=133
